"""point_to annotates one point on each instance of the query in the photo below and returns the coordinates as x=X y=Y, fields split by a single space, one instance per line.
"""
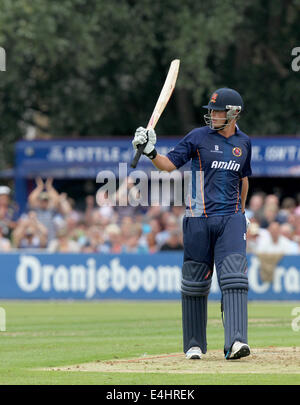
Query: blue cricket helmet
x=224 y=99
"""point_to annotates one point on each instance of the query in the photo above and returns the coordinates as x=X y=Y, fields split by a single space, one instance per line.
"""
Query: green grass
x=55 y=333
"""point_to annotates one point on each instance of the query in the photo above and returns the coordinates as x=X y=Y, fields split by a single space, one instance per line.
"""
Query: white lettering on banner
x=292 y=280
x=149 y=279
x=87 y=279
x=78 y=279
x=48 y=271
x=61 y=279
x=255 y=154
x=253 y=277
x=281 y=153
x=91 y=278
x=284 y=279
x=103 y=278
x=168 y=279
x=31 y=275
x=55 y=154
x=26 y=282
x=134 y=279
x=92 y=154
x=277 y=279
x=118 y=279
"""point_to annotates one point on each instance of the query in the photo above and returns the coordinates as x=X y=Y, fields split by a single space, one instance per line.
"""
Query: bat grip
x=138 y=154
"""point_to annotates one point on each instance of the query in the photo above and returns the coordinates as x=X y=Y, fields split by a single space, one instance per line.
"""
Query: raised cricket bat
x=161 y=103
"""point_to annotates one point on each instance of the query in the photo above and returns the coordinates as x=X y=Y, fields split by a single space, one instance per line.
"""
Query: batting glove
x=148 y=136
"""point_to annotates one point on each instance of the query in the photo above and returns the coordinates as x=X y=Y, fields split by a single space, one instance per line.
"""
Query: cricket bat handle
x=138 y=154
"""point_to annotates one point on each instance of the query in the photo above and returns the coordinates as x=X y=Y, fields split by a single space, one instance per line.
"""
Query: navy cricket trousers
x=210 y=240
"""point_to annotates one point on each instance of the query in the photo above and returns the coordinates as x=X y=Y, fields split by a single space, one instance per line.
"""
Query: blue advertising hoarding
x=126 y=276
x=85 y=158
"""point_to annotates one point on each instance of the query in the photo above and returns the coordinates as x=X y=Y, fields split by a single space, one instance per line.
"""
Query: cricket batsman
x=214 y=225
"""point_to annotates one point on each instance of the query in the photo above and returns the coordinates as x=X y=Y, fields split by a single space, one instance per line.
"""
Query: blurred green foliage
x=96 y=67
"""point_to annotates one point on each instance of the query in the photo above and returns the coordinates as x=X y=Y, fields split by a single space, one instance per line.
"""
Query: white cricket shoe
x=238 y=350
x=193 y=353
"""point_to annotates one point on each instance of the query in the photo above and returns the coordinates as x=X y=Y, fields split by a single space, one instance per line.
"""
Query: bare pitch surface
x=271 y=360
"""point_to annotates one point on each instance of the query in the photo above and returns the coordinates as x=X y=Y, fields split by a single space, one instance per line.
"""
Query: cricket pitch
x=270 y=360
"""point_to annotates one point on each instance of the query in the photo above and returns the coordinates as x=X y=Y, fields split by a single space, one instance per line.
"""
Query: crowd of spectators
x=52 y=223
x=274 y=226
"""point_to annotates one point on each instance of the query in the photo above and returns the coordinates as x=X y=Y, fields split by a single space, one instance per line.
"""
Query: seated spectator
x=288 y=207
x=126 y=227
x=78 y=232
x=272 y=199
x=72 y=222
x=154 y=212
x=170 y=224
x=30 y=233
x=131 y=244
x=47 y=205
x=8 y=212
x=271 y=214
x=5 y=245
x=253 y=233
x=287 y=231
x=64 y=204
x=255 y=209
x=104 y=211
x=178 y=212
x=151 y=242
x=113 y=238
x=94 y=242
x=63 y=243
x=155 y=225
x=294 y=220
x=274 y=242
x=173 y=242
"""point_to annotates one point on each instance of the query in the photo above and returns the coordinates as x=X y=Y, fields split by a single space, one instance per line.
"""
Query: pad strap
x=234 y=280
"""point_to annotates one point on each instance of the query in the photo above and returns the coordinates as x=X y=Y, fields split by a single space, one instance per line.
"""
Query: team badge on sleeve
x=237 y=152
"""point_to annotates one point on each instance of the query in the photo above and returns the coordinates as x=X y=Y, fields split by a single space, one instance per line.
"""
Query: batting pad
x=234 y=287
x=195 y=285
x=194 y=321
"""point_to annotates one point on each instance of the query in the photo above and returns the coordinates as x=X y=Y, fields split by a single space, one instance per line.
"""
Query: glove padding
x=143 y=135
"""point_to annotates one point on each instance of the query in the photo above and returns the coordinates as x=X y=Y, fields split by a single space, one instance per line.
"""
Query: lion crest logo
x=237 y=151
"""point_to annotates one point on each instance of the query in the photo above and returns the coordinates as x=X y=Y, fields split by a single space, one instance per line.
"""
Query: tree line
x=94 y=68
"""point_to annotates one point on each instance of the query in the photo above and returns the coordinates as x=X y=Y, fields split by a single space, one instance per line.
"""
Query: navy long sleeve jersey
x=217 y=166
